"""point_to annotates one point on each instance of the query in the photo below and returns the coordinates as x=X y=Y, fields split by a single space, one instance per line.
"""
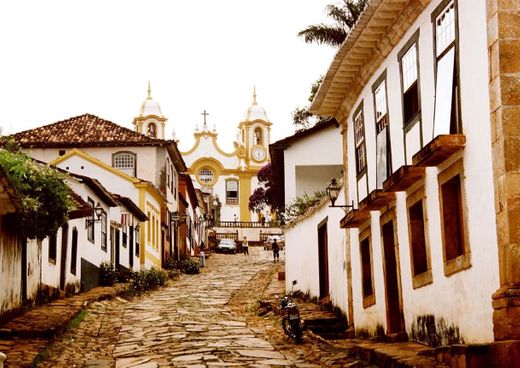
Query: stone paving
x=186 y=324
x=205 y=320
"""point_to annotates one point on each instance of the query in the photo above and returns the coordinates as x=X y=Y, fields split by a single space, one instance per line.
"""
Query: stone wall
x=504 y=83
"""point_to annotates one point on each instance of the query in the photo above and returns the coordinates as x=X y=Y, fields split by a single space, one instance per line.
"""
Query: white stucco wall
x=301 y=255
x=10 y=269
x=323 y=148
x=463 y=298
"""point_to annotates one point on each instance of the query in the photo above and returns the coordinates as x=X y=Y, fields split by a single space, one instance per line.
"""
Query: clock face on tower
x=258 y=154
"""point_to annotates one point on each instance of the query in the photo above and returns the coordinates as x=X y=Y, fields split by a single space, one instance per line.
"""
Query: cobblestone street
x=187 y=324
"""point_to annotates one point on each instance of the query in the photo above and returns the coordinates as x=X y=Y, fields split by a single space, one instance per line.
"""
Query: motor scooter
x=291 y=322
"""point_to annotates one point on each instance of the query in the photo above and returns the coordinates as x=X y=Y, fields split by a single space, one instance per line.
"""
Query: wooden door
x=63 y=261
x=323 y=260
x=393 y=298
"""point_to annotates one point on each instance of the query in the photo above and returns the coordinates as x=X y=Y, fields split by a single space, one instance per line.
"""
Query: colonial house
x=147 y=165
x=425 y=92
x=72 y=257
x=144 y=194
x=314 y=243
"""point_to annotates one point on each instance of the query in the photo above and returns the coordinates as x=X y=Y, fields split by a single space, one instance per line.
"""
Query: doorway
x=394 y=315
x=63 y=261
x=323 y=259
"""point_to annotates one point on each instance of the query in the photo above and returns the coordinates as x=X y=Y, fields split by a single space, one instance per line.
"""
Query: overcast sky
x=65 y=58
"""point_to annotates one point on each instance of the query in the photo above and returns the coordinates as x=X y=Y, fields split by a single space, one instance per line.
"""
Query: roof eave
x=360 y=46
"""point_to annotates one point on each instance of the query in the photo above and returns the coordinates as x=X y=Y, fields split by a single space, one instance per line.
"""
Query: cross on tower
x=205 y=124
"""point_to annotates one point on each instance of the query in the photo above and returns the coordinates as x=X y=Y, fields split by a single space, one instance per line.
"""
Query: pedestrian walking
x=245 y=246
x=276 y=251
x=202 y=256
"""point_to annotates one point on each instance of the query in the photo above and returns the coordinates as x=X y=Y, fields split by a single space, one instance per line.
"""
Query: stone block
x=510 y=89
x=495 y=93
x=513 y=5
x=506 y=315
x=504 y=353
x=492 y=8
x=511 y=121
x=508 y=24
x=512 y=154
x=508 y=59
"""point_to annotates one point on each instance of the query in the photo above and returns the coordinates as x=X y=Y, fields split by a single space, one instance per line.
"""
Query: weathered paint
x=10 y=269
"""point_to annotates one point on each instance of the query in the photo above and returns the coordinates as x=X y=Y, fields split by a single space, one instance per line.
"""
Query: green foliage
x=300 y=205
x=107 y=274
x=189 y=266
x=343 y=16
x=303 y=119
x=77 y=320
x=146 y=280
x=185 y=265
x=44 y=195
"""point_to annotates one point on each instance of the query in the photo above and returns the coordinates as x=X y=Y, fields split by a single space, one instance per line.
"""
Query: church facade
x=231 y=177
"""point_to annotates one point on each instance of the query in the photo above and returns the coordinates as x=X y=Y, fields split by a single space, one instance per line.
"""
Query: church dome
x=150 y=106
x=256 y=112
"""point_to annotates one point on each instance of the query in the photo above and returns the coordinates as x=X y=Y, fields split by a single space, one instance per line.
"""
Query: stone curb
x=55 y=327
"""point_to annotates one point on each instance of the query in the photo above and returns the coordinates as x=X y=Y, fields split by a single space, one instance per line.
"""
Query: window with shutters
x=359 y=140
x=232 y=192
x=447 y=89
x=367 y=279
x=453 y=222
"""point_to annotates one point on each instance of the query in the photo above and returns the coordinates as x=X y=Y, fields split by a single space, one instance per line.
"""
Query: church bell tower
x=151 y=121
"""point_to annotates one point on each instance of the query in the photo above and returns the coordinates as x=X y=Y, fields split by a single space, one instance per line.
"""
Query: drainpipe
x=3 y=357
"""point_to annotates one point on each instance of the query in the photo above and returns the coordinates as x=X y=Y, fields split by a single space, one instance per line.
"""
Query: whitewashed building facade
x=410 y=87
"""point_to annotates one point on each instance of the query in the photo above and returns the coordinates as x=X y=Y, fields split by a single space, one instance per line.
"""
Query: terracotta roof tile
x=83 y=131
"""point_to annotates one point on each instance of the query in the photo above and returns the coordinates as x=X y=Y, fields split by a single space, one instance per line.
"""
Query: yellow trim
x=213 y=136
x=142 y=242
x=152 y=258
x=86 y=156
x=151 y=189
x=210 y=163
x=147 y=117
x=245 y=192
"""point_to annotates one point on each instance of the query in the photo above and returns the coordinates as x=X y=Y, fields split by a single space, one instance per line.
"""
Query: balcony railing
x=246 y=224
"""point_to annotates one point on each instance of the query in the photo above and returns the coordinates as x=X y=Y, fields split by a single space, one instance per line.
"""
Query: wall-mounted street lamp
x=176 y=217
x=98 y=211
x=333 y=192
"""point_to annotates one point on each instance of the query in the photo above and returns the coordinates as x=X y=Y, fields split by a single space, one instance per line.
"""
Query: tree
x=302 y=117
x=44 y=195
x=265 y=195
x=344 y=17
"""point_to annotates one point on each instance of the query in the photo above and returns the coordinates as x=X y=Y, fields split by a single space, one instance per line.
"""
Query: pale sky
x=61 y=59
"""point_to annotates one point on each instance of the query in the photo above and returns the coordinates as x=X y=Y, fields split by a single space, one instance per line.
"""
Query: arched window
x=258 y=136
x=152 y=130
x=232 y=192
x=124 y=161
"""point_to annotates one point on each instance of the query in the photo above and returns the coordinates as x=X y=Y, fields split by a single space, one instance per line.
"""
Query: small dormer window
x=124 y=161
x=258 y=136
x=152 y=130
